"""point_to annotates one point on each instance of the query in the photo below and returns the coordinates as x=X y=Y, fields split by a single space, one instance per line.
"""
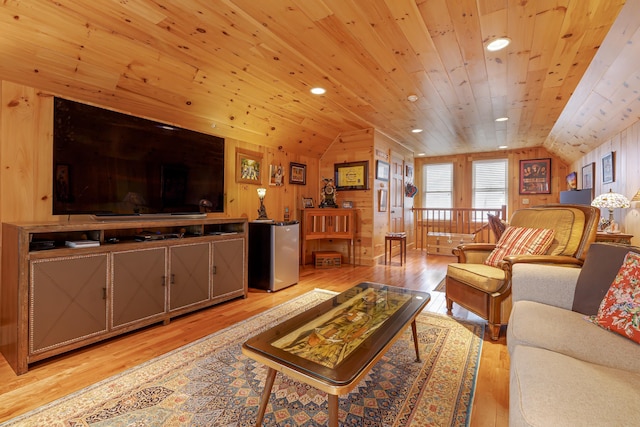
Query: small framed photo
x=408 y=172
x=608 y=168
x=248 y=167
x=588 y=176
x=535 y=176
x=572 y=181
x=347 y=204
x=382 y=170
x=307 y=202
x=297 y=173
x=382 y=200
x=276 y=175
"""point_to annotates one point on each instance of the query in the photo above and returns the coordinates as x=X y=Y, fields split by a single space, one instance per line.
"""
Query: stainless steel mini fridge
x=274 y=254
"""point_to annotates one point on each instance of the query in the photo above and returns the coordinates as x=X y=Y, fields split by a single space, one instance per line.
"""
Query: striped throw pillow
x=521 y=241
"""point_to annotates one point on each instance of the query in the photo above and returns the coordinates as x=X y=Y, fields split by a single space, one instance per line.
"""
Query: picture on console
x=123 y=164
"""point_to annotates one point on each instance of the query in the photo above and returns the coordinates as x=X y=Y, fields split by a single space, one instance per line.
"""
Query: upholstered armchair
x=558 y=234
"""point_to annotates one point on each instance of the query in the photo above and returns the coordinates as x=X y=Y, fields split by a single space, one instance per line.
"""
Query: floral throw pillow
x=521 y=241
x=620 y=309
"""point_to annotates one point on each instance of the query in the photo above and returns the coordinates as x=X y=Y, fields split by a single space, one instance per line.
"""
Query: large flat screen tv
x=110 y=163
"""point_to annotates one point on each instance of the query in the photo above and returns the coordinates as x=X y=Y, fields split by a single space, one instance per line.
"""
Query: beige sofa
x=564 y=370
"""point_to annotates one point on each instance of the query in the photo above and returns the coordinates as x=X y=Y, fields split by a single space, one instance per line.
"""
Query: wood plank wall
x=626 y=149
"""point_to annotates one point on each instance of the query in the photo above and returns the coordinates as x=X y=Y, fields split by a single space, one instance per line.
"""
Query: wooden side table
x=388 y=243
x=602 y=236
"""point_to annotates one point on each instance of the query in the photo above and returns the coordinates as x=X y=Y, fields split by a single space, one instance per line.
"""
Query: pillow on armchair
x=521 y=241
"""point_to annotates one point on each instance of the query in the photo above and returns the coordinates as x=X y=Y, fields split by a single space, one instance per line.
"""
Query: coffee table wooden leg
x=333 y=410
x=414 y=330
x=266 y=394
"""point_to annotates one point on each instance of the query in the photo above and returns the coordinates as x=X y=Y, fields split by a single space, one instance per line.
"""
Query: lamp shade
x=636 y=198
x=610 y=201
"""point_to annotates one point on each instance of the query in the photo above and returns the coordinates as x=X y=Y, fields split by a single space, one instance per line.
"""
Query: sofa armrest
x=547 y=284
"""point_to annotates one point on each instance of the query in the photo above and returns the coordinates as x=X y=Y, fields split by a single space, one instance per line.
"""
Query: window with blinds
x=438 y=185
x=489 y=184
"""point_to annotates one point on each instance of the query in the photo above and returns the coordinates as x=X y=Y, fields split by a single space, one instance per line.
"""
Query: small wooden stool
x=388 y=242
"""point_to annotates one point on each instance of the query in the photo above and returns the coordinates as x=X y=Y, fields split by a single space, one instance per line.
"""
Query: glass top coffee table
x=333 y=345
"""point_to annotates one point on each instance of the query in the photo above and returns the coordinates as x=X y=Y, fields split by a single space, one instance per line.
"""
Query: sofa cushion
x=556 y=329
x=520 y=241
x=620 y=308
x=479 y=276
x=600 y=268
x=568 y=224
x=551 y=389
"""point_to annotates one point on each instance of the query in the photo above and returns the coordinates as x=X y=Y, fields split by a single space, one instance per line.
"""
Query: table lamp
x=262 y=212
x=610 y=201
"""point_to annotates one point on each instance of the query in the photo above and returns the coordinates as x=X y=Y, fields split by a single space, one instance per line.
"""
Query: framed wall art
x=307 y=202
x=535 y=176
x=352 y=176
x=572 y=181
x=588 y=176
x=248 y=167
x=382 y=170
x=608 y=168
x=297 y=173
x=382 y=200
x=276 y=175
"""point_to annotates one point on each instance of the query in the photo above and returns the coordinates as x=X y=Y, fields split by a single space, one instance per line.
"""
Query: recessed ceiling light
x=502 y=147
x=421 y=154
x=318 y=91
x=502 y=119
x=213 y=125
x=498 y=44
x=416 y=130
x=412 y=98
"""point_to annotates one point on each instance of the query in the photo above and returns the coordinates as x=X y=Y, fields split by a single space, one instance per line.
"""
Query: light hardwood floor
x=59 y=376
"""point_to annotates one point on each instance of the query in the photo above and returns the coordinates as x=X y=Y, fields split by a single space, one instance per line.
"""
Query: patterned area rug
x=441 y=286
x=211 y=383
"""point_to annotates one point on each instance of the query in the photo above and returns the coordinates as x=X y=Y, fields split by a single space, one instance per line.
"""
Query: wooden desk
x=602 y=236
x=328 y=223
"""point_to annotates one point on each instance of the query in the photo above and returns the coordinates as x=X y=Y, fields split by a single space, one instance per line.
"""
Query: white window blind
x=489 y=184
x=438 y=185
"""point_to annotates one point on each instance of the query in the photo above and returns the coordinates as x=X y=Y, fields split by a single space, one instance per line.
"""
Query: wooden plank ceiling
x=246 y=66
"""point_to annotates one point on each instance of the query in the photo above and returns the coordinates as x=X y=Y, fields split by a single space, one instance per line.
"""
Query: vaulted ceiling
x=246 y=67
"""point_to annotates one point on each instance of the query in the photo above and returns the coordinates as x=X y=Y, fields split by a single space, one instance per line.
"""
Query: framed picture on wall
x=535 y=176
x=608 y=168
x=572 y=181
x=297 y=173
x=382 y=200
x=382 y=170
x=351 y=176
x=248 y=167
x=588 y=176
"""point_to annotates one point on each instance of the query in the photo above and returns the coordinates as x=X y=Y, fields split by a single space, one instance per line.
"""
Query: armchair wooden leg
x=449 y=305
x=494 y=331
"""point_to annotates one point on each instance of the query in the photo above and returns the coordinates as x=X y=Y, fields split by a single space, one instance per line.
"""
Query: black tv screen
x=111 y=163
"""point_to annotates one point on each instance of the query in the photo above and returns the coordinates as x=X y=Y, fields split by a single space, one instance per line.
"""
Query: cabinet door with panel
x=228 y=267
x=189 y=275
x=139 y=285
x=68 y=300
